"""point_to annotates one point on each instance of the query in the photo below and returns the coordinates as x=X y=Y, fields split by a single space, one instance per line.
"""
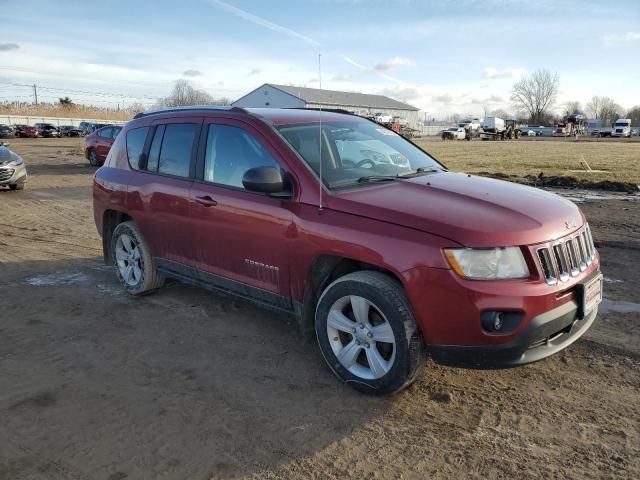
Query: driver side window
x=231 y=151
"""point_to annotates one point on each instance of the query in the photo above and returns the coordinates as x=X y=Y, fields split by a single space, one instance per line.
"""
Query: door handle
x=206 y=201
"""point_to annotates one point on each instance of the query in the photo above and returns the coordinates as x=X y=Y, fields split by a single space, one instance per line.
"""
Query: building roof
x=346 y=99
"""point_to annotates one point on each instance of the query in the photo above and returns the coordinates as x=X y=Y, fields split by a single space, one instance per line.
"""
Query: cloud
x=346 y=78
x=446 y=99
x=495 y=74
x=254 y=71
x=5 y=47
x=612 y=40
x=393 y=63
x=491 y=99
x=192 y=73
x=262 y=22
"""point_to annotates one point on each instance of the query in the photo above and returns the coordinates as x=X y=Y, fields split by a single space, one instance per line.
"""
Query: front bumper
x=13 y=175
x=544 y=335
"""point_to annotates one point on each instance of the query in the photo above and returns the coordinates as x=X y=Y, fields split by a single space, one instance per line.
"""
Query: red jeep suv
x=363 y=237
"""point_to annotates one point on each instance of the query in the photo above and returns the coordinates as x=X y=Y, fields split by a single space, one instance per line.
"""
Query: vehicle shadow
x=68 y=168
x=184 y=383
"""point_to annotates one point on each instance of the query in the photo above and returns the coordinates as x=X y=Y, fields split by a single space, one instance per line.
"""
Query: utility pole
x=35 y=93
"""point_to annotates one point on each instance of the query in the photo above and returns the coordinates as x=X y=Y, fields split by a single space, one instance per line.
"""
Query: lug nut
x=353 y=330
x=366 y=345
x=357 y=342
x=361 y=326
x=370 y=335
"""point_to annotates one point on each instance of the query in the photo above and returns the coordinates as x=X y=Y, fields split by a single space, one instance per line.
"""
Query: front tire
x=367 y=333
x=17 y=186
x=132 y=258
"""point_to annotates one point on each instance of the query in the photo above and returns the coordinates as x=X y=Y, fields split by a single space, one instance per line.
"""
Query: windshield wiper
x=421 y=170
x=378 y=178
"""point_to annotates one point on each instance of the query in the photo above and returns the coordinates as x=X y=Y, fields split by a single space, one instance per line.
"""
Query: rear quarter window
x=136 y=139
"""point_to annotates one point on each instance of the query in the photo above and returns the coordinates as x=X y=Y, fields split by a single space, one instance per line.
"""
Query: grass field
x=619 y=159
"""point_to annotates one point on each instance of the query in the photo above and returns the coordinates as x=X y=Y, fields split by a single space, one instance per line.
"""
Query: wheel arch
x=110 y=220
x=323 y=271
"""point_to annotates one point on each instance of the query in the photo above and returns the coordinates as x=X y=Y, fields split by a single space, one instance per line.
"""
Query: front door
x=243 y=237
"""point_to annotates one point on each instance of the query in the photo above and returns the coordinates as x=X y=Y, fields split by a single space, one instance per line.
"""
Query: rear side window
x=177 y=149
x=115 y=132
x=154 y=151
x=136 y=139
x=106 y=133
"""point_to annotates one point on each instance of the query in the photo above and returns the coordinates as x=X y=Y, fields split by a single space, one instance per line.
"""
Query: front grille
x=567 y=257
x=6 y=174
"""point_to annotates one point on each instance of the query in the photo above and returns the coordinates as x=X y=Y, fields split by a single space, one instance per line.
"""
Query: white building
x=286 y=96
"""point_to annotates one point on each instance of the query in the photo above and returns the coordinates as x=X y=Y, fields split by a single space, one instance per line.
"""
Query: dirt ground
x=188 y=384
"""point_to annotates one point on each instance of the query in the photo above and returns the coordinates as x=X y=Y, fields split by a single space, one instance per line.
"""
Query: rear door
x=158 y=196
x=103 y=142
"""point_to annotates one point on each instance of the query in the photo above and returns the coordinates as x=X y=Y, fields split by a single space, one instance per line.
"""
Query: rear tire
x=135 y=266
x=92 y=156
x=367 y=333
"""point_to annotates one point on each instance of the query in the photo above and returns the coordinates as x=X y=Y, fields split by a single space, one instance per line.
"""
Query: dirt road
x=189 y=384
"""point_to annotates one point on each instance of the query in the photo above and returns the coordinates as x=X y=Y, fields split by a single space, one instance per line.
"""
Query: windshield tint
x=352 y=150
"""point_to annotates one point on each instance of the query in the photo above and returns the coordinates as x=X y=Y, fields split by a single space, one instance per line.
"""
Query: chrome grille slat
x=548 y=268
x=567 y=257
x=6 y=173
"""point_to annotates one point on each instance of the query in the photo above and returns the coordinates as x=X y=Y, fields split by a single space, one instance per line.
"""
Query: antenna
x=320 y=135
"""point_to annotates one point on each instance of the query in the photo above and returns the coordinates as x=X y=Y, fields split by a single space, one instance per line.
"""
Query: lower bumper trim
x=545 y=335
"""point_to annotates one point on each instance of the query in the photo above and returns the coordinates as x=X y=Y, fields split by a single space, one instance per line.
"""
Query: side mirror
x=263 y=180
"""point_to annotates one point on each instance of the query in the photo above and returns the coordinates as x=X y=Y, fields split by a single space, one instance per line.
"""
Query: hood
x=7 y=156
x=472 y=211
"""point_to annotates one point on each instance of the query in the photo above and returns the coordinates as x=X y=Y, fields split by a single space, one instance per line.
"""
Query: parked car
x=6 y=131
x=47 y=130
x=13 y=173
x=98 y=144
x=382 y=117
x=71 y=131
x=378 y=262
x=26 y=131
x=454 y=133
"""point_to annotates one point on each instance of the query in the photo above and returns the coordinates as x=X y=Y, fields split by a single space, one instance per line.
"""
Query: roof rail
x=191 y=109
x=330 y=110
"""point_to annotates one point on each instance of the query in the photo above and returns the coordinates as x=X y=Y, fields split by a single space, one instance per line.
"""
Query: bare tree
x=536 y=93
x=574 y=106
x=634 y=115
x=183 y=94
x=604 y=108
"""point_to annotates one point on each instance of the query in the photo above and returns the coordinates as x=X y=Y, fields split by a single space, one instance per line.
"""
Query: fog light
x=494 y=321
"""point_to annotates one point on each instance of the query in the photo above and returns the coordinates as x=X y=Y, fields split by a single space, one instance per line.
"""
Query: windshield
x=621 y=124
x=353 y=150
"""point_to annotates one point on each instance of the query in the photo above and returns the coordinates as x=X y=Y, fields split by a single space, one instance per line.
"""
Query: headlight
x=16 y=162
x=488 y=264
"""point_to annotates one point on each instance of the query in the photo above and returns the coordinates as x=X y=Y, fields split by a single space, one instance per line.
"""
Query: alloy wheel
x=128 y=260
x=361 y=337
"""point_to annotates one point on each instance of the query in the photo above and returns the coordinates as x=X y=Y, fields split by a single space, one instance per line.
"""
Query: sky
x=443 y=57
